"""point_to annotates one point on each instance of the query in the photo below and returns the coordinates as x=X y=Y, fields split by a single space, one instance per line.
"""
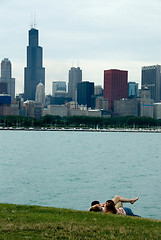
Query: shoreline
x=131 y=130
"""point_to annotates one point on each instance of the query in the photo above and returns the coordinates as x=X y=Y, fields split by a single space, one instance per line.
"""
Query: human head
x=95 y=208
x=94 y=203
x=110 y=206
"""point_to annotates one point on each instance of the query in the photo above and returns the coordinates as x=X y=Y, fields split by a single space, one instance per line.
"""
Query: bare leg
x=134 y=200
x=117 y=199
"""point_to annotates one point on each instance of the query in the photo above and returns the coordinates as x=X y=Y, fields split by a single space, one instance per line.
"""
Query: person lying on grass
x=96 y=206
x=111 y=206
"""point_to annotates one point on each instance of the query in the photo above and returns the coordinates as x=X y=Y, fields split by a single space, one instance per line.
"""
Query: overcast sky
x=95 y=34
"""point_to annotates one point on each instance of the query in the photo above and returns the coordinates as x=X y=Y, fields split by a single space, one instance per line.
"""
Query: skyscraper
x=3 y=88
x=85 y=91
x=115 y=86
x=75 y=77
x=40 y=94
x=34 y=72
x=151 y=77
x=6 y=77
x=146 y=103
x=98 y=91
x=132 y=89
x=58 y=86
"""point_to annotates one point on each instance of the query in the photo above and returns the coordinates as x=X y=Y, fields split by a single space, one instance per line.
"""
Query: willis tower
x=34 y=72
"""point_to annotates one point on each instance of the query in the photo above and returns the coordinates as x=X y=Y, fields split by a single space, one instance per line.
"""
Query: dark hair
x=95 y=209
x=94 y=203
x=110 y=206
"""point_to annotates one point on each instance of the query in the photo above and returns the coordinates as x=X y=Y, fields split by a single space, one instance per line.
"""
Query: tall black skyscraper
x=85 y=91
x=34 y=72
x=151 y=77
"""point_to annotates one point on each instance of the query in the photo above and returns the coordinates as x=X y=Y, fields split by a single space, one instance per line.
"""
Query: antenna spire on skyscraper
x=33 y=20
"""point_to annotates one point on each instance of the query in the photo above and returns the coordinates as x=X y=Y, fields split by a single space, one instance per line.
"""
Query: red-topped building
x=115 y=86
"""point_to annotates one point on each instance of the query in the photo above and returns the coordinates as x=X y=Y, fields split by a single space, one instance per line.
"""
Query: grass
x=33 y=222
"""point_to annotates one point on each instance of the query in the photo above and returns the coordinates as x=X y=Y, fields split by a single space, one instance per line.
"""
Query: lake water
x=71 y=169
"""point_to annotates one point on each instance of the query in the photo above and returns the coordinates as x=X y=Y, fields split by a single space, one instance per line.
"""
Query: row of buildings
x=141 y=106
x=118 y=97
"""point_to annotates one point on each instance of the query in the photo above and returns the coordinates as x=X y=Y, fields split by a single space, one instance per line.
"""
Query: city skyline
x=95 y=35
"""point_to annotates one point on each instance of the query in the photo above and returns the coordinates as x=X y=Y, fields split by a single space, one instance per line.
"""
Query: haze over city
x=96 y=35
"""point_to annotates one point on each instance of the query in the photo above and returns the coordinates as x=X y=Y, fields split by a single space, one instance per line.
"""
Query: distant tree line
x=79 y=121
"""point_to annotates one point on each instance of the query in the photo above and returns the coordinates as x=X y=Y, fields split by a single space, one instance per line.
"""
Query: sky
x=95 y=35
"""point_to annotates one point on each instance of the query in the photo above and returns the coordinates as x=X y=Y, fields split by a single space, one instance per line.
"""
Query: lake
x=71 y=169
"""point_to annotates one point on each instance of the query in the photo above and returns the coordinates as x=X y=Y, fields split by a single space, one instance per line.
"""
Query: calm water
x=71 y=169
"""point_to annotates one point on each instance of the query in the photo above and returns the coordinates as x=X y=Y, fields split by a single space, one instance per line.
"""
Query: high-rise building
x=75 y=77
x=146 y=103
x=127 y=107
x=5 y=104
x=115 y=86
x=6 y=77
x=34 y=72
x=3 y=88
x=132 y=89
x=98 y=91
x=85 y=91
x=40 y=94
x=58 y=86
x=151 y=77
x=157 y=110
x=101 y=103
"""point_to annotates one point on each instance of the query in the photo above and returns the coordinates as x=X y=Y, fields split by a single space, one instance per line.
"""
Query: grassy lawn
x=32 y=222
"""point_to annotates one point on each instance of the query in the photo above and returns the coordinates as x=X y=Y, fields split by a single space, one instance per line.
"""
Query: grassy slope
x=32 y=222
